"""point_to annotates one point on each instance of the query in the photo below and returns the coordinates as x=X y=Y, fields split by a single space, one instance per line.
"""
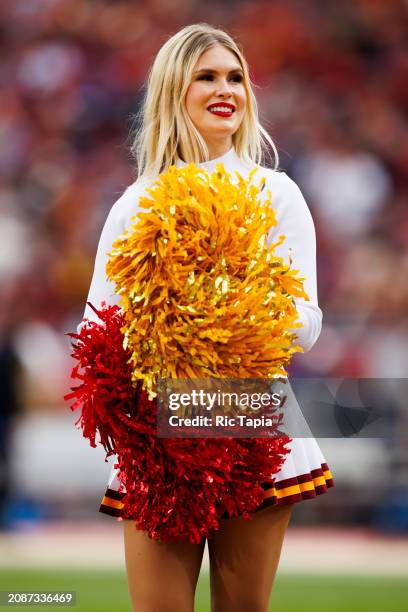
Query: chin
x=216 y=133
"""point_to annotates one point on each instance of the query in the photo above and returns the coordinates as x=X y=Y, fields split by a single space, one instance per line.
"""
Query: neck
x=218 y=149
x=215 y=150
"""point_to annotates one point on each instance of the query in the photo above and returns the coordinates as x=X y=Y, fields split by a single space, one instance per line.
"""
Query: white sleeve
x=119 y=218
x=296 y=223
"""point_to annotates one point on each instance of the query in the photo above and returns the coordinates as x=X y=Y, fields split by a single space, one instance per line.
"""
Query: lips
x=223 y=104
x=222 y=109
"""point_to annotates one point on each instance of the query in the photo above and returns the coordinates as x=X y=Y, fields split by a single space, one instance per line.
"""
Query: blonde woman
x=200 y=107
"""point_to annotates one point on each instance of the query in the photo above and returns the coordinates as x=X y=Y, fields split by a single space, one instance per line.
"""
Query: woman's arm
x=118 y=220
x=296 y=223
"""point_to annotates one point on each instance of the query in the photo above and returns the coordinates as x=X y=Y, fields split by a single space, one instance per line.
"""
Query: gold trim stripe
x=113 y=503
x=310 y=485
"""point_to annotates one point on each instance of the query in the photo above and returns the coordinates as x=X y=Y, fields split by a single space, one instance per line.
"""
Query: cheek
x=242 y=98
x=194 y=97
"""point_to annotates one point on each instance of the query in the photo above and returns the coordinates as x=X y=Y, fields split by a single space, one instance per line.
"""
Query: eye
x=237 y=78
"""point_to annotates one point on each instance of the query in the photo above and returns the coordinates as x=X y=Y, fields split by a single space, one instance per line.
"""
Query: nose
x=224 y=88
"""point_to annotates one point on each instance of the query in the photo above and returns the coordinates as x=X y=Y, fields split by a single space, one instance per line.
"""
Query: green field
x=99 y=591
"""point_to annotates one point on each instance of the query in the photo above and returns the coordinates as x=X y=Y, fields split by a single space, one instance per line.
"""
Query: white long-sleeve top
x=293 y=220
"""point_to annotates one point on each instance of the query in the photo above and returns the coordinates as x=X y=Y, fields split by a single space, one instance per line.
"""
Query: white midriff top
x=294 y=221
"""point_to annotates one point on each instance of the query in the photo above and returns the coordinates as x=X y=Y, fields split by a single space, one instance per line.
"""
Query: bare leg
x=244 y=557
x=161 y=577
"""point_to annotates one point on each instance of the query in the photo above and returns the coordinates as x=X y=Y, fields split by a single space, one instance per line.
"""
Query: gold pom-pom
x=202 y=292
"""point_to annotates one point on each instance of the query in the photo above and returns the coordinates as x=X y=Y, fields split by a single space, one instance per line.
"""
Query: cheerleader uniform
x=304 y=473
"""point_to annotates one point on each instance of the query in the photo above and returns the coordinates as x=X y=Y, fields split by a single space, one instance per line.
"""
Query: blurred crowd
x=331 y=80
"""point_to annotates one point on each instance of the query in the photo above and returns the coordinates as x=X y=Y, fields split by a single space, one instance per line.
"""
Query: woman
x=200 y=107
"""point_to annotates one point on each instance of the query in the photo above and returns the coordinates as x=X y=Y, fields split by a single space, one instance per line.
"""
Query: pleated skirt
x=305 y=474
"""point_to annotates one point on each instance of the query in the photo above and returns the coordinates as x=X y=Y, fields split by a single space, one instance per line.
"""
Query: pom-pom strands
x=176 y=489
x=180 y=489
x=105 y=394
x=202 y=293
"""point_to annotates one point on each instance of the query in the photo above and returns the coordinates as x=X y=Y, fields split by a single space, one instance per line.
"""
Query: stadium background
x=331 y=80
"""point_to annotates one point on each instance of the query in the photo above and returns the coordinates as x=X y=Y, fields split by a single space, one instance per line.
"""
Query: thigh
x=161 y=577
x=244 y=556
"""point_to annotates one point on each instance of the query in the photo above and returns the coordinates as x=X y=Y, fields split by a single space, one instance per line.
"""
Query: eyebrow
x=211 y=71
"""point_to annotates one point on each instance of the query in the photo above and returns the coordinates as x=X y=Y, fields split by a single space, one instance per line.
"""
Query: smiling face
x=216 y=98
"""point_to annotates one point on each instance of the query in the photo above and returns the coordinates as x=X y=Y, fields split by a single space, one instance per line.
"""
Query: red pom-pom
x=181 y=488
x=176 y=489
x=106 y=394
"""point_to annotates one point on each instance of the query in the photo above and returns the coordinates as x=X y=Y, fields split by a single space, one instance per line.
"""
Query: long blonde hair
x=166 y=130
